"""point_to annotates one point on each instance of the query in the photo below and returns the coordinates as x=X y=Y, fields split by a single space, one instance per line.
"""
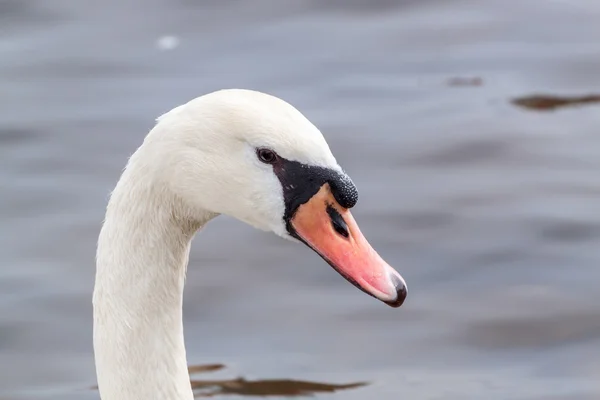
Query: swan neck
x=142 y=257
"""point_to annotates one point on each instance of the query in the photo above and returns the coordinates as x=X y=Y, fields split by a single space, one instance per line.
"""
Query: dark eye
x=267 y=156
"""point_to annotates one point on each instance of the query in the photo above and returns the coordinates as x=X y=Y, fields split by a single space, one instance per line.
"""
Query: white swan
x=237 y=152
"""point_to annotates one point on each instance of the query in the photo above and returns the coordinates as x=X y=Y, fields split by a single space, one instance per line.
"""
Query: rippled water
x=490 y=210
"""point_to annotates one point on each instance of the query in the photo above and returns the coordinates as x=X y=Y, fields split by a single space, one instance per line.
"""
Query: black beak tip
x=401 y=296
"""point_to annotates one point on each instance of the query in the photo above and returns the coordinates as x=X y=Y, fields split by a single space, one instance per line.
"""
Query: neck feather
x=142 y=257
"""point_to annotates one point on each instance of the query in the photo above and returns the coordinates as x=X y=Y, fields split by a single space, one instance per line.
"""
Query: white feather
x=196 y=163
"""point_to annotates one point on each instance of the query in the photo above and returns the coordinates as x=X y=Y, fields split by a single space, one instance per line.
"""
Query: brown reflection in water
x=263 y=388
x=550 y=103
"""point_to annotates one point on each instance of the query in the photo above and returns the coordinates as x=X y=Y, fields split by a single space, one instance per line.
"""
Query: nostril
x=338 y=223
x=340 y=229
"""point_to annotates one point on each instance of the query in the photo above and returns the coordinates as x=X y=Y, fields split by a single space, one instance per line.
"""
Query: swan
x=242 y=153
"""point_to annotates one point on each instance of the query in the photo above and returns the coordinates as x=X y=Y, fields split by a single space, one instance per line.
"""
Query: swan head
x=256 y=158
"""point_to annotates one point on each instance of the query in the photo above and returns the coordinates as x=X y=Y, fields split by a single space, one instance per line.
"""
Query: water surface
x=489 y=210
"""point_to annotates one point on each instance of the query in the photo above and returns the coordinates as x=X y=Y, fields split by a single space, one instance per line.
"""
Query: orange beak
x=332 y=232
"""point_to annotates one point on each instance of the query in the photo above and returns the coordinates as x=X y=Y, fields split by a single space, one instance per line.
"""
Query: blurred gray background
x=489 y=210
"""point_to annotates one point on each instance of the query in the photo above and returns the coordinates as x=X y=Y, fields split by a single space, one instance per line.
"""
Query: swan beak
x=332 y=232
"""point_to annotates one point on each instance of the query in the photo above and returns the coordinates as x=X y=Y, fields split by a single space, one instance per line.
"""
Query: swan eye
x=267 y=156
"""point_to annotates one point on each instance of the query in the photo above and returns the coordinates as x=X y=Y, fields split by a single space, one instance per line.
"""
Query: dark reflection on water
x=550 y=103
x=265 y=388
x=261 y=388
